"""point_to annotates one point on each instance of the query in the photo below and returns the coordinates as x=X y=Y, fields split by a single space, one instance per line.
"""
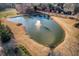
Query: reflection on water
x=49 y=33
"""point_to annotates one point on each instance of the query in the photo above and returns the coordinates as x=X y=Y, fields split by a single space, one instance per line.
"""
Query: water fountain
x=42 y=29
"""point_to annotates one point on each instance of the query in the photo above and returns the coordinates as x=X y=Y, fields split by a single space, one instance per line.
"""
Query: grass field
x=8 y=13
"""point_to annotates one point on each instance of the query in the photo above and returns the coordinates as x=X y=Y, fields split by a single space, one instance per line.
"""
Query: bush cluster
x=5 y=35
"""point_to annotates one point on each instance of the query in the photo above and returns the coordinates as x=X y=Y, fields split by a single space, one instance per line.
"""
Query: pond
x=41 y=29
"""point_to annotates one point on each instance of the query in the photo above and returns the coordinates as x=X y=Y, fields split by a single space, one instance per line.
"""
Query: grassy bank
x=8 y=13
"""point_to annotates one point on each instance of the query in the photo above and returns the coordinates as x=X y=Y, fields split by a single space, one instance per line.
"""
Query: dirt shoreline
x=23 y=38
x=69 y=47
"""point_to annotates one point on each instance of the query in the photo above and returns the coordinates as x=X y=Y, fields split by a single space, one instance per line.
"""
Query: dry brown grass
x=23 y=38
x=8 y=13
x=70 y=46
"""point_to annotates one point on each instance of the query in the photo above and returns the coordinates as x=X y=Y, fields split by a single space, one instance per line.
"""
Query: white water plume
x=38 y=24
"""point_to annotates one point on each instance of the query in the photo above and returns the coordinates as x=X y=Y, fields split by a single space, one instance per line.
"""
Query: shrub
x=77 y=25
x=22 y=51
x=4 y=34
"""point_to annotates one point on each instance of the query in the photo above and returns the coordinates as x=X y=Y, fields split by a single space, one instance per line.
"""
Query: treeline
x=3 y=6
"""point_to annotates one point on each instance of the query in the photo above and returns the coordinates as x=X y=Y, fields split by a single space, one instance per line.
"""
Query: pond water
x=41 y=29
